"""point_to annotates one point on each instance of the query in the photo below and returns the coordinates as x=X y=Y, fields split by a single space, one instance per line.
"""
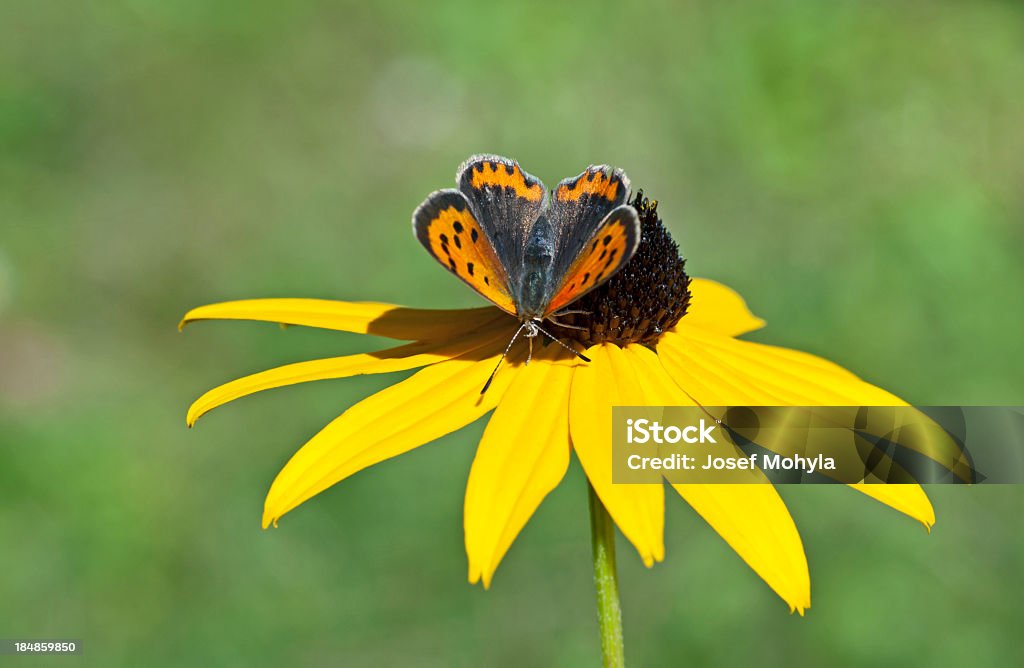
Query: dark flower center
x=647 y=296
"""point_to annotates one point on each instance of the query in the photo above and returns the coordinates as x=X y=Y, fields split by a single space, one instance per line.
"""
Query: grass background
x=853 y=169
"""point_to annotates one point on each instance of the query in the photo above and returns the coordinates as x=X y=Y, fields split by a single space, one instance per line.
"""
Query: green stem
x=606 y=582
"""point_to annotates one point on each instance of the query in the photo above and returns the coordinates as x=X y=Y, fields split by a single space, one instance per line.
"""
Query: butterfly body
x=535 y=277
x=529 y=251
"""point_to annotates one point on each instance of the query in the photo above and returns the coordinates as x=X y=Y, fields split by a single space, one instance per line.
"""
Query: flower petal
x=387 y=320
x=720 y=309
x=756 y=524
x=523 y=455
x=657 y=386
x=433 y=402
x=752 y=518
x=908 y=499
x=400 y=358
x=727 y=371
x=717 y=370
x=610 y=380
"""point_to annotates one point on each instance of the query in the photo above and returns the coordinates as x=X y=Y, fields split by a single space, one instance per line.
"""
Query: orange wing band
x=611 y=247
x=489 y=173
x=591 y=182
x=455 y=239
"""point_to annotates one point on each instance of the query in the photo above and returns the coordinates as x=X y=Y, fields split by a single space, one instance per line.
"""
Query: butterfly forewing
x=611 y=246
x=447 y=227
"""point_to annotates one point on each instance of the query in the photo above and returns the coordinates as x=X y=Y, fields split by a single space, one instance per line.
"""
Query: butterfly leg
x=552 y=320
x=554 y=338
x=568 y=312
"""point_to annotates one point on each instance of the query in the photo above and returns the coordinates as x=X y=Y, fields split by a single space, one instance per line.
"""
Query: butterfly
x=530 y=252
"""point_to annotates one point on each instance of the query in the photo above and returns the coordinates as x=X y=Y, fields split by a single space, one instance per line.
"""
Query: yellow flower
x=552 y=407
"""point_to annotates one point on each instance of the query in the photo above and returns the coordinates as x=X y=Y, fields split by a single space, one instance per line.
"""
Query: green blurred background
x=852 y=168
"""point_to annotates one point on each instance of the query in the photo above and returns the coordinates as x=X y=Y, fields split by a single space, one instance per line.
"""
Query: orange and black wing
x=506 y=200
x=610 y=247
x=448 y=229
x=597 y=190
x=595 y=232
x=578 y=206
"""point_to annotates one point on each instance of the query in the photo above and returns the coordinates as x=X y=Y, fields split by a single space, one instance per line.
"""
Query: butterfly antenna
x=569 y=348
x=496 y=366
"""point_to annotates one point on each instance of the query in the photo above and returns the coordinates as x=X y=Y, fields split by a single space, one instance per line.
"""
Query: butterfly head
x=531 y=328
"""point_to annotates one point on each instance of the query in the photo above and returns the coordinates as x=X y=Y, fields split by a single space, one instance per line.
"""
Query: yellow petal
x=387 y=320
x=755 y=523
x=717 y=370
x=433 y=402
x=610 y=380
x=908 y=499
x=657 y=386
x=731 y=372
x=523 y=455
x=409 y=356
x=752 y=519
x=720 y=309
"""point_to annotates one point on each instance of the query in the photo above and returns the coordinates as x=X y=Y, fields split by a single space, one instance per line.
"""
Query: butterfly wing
x=595 y=232
x=608 y=249
x=447 y=227
x=506 y=200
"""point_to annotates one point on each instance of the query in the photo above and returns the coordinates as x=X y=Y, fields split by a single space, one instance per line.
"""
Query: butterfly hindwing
x=447 y=227
x=600 y=183
x=609 y=248
x=579 y=204
x=506 y=201
x=590 y=195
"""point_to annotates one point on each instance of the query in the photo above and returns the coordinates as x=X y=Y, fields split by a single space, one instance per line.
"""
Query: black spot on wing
x=503 y=216
x=469 y=268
